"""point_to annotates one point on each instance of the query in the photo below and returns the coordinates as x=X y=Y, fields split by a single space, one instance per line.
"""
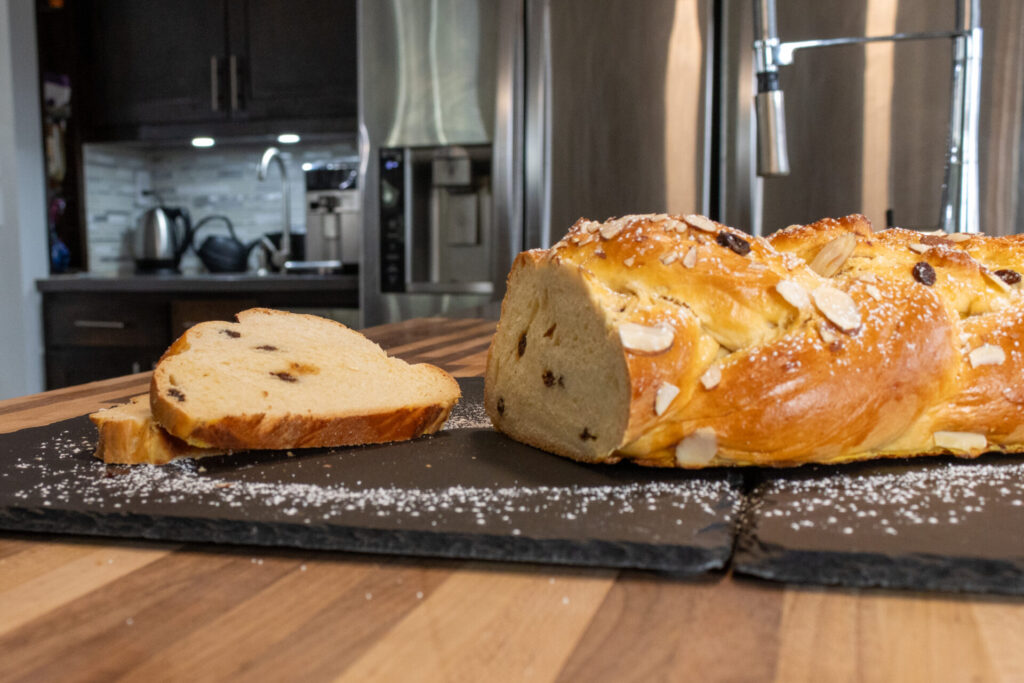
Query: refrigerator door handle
x=538 y=125
x=507 y=206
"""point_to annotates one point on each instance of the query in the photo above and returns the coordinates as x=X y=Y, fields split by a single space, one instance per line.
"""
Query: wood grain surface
x=87 y=609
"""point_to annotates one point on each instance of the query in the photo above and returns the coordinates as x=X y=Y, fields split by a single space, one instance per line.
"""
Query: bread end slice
x=129 y=436
x=556 y=374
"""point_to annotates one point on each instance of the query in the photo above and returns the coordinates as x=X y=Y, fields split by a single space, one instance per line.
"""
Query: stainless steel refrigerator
x=489 y=126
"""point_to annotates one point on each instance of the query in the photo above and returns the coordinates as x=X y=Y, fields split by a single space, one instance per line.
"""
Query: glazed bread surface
x=277 y=380
x=675 y=341
x=129 y=436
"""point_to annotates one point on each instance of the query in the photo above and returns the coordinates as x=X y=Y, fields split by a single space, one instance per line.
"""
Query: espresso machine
x=333 y=226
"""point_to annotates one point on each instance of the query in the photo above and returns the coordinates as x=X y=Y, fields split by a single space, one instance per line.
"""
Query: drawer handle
x=101 y=324
x=233 y=81
x=214 y=85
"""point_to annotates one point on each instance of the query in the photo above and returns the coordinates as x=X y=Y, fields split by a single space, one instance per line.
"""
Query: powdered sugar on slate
x=145 y=488
x=886 y=500
x=468 y=415
x=926 y=492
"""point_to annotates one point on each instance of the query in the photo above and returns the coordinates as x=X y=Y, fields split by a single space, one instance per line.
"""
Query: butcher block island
x=87 y=607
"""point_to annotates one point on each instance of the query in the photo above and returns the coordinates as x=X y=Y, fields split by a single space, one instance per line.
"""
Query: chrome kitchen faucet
x=959 y=210
x=278 y=255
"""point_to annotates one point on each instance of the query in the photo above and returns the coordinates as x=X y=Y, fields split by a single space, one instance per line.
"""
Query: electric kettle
x=161 y=237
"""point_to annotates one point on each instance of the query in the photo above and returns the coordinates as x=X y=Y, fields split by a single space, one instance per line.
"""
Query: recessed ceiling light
x=202 y=142
x=288 y=138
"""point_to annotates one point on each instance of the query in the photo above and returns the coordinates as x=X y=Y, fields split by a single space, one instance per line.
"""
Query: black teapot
x=223 y=253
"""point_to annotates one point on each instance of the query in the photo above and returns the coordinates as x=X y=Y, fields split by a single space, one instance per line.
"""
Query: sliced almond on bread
x=282 y=380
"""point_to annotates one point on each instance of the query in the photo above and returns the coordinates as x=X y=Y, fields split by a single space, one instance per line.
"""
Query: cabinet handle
x=101 y=324
x=233 y=85
x=214 y=85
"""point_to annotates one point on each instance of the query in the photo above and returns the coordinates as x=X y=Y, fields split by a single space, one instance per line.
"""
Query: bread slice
x=284 y=380
x=128 y=435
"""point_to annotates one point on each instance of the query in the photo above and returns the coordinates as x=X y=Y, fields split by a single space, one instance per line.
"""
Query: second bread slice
x=129 y=436
x=283 y=380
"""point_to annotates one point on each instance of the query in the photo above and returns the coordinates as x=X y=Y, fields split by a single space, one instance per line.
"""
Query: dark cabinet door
x=67 y=366
x=295 y=59
x=157 y=62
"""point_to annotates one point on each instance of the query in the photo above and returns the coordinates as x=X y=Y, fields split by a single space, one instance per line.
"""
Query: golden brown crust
x=258 y=432
x=786 y=383
x=991 y=395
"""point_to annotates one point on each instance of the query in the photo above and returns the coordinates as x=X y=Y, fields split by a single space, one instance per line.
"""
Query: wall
x=109 y=176
x=218 y=180
x=23 y=255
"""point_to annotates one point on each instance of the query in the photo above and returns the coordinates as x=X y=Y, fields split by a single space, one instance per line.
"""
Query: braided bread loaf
x=677 y=341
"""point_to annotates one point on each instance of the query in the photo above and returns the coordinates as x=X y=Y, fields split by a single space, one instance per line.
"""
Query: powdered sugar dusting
x=235 y=492
x=888 y=503
x=468 y=415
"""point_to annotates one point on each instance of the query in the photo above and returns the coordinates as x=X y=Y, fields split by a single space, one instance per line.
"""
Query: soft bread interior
x=284 y=366
x=556 y=377
x=135 y=412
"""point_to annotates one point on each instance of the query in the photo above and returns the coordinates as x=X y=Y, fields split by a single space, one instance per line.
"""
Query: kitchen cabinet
x=96 y=328
x=297 y=58
x=155 y=62
x=90 y=337
x=166 y=70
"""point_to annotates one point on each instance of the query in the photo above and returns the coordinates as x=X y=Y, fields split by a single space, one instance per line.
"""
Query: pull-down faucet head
x=279 y=255
x=769 y=102
x=959 y=211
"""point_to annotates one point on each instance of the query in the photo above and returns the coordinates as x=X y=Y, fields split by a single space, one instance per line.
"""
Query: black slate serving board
x=466 y=492
x=925 y=524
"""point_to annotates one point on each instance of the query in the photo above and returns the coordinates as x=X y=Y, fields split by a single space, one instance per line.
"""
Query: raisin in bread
x=282 y=380
x=680 y=342
x=128 y=435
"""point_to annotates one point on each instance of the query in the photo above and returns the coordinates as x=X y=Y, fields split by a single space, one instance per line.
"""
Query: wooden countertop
x=208 y=283
x=99 y=609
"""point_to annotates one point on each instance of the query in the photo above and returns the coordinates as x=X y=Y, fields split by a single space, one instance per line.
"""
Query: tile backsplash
x=219 y=180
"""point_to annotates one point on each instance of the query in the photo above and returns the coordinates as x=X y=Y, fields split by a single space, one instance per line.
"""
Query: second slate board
x=923 y=524
x=466 y=492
